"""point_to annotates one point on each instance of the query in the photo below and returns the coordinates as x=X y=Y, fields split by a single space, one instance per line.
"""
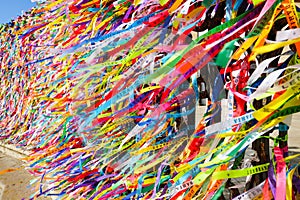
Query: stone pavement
x=14 y=185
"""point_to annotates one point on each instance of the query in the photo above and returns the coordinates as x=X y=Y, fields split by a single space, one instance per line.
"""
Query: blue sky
x=12 y=8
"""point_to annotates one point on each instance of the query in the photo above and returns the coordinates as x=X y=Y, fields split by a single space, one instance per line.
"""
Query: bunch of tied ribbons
x=103 y=93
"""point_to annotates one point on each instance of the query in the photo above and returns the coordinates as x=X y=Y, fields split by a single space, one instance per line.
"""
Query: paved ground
x=14 y=185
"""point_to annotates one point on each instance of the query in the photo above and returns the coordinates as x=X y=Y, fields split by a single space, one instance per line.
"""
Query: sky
x=10 y=9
